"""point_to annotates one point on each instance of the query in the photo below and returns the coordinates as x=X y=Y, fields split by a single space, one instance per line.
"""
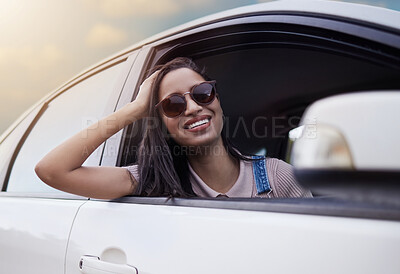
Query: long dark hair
x=163 y=165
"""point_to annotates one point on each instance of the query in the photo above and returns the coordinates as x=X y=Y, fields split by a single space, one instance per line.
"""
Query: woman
x=183 y=154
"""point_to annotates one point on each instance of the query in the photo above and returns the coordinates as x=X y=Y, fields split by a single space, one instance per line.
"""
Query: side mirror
x=349 y=146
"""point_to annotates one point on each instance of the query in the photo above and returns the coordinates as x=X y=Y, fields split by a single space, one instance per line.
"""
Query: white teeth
x=198 y=123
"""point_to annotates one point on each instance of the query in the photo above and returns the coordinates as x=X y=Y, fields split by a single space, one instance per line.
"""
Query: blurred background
x=44 y=43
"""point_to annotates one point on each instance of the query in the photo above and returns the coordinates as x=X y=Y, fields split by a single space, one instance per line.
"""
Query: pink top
x=280 y=176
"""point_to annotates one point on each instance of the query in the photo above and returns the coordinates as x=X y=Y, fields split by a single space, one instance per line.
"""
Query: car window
x=67 y=114
x=11 y=140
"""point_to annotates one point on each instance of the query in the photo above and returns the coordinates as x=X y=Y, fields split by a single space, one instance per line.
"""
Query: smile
x=198 y=123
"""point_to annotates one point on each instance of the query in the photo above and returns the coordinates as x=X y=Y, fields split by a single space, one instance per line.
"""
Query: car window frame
x=365 y=30
x=323 y=206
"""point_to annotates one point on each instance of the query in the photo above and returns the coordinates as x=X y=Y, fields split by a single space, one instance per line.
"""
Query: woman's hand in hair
x=143 y=98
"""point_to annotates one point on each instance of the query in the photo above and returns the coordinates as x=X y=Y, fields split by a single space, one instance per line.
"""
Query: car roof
x=352 y=11
x=372 y=15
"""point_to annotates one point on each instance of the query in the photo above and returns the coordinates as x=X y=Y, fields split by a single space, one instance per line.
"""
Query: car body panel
x=36 y=243
x=174 y=239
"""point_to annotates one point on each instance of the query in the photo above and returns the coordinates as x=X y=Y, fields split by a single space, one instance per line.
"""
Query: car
x=272 y=61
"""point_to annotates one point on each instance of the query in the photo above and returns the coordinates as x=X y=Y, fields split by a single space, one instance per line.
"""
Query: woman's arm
x=62 y=167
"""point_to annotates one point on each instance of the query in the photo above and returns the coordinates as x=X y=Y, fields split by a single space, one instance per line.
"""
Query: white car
x=271 y=61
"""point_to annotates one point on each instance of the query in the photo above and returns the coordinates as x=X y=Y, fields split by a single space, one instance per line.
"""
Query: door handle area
x=93 y=265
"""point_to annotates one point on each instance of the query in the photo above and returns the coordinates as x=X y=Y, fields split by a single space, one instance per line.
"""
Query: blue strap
x=260 y=175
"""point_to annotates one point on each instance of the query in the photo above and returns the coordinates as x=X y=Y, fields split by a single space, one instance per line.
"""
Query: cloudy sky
x=43 y=43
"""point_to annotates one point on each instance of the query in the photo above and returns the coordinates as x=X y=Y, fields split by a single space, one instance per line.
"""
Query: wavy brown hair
x=163 y=164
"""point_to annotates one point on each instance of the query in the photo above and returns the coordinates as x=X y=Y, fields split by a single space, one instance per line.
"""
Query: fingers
x=143 y=98
x=145 y=87
x=154 y=75
x=150 y=80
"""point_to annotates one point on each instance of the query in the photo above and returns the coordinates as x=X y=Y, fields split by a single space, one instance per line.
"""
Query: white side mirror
x=349 y=139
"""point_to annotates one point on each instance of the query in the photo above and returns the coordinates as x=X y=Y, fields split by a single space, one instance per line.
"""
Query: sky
x=44 y=43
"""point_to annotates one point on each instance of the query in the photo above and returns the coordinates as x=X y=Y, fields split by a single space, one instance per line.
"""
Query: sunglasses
x=175 y=104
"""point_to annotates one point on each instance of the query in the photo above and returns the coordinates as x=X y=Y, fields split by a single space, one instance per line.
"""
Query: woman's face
x=181 y=128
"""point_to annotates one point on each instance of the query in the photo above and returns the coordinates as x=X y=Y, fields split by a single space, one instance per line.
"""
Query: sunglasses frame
x=213 y=84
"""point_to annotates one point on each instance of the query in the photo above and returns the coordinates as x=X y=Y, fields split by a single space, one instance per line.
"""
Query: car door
x=269 y=67
x=35 y=219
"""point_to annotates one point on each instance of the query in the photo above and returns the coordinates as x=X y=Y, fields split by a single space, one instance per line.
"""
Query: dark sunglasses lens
x=173 y=106
x=204 y=93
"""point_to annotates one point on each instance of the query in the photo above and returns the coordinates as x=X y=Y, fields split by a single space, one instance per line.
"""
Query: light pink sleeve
x=134 y=171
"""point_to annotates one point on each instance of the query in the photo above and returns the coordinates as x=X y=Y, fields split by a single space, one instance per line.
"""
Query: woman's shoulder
x=278 y=166
x=282 y=177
